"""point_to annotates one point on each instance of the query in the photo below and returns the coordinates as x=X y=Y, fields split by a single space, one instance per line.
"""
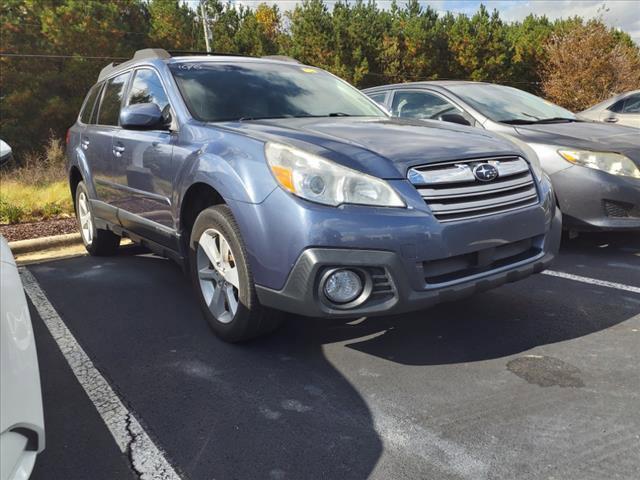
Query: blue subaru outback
x=283 y=188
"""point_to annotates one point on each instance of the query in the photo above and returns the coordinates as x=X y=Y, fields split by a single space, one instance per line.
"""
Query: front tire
x=98 y=242
x=222 y=278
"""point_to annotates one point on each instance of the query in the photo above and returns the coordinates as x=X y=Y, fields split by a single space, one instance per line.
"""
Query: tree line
x=52 y=50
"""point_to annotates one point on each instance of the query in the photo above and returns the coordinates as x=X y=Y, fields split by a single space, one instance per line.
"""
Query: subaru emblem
x=485 y=172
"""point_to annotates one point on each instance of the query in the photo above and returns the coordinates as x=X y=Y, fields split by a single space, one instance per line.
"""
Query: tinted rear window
x=617 y=107
x=632 y=105
x=112 y=99
x=85 y=115
x=378 y=97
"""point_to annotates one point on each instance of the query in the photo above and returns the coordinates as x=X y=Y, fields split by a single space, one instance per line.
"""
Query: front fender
x=236 y=169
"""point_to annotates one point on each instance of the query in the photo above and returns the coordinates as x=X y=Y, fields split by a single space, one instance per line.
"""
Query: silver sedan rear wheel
x=218 y=275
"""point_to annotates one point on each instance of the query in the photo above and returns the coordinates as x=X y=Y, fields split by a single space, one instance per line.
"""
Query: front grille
x=460 y=266
x=452 y=191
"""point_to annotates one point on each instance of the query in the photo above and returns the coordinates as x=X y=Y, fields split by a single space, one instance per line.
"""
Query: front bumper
x=302 y=291
x=594 y=200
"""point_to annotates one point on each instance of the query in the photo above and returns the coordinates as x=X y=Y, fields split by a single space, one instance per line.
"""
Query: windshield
x=217 y=91
x=509 y=105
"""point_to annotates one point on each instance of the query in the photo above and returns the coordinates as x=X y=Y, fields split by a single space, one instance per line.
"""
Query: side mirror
x=141 y=116
x=455 y=118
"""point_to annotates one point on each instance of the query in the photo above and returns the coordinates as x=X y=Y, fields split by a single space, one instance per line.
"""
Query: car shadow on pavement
x=265 y=409
x=487 y=326
x=277 y=407
x=509 y=320
x=606 y=256
x=602 y=243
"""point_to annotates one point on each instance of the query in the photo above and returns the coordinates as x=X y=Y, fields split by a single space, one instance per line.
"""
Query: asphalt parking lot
x=536 y=379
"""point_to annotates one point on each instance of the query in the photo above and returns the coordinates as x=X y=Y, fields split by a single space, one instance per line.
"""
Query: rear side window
x=87 y=109
x=617 y=107
x=94 y=115
x=112 y=99
x=632 y=105
x=378 y=98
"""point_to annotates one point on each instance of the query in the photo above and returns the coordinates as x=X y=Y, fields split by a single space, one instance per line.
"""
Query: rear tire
x=98 y=242
x=223 y=280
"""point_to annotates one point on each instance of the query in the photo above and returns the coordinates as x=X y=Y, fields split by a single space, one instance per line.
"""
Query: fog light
x=343 y=286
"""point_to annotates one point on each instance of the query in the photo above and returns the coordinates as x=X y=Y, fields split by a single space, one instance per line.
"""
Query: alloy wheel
x=218 y=275
x=86 y=221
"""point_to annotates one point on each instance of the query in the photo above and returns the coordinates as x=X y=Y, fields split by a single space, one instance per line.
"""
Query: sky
x=621 y=14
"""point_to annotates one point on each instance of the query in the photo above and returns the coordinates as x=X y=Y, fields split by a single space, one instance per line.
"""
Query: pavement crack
x=132 y=438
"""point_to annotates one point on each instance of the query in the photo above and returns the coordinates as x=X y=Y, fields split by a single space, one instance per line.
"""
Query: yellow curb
x=60 y=253
x=44 y=243
x=47 y=255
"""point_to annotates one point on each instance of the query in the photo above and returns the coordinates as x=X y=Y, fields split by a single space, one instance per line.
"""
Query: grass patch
x=37 y=189
x=21 y=202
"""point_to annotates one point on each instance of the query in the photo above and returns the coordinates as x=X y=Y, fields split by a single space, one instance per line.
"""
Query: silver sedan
x=623 y=109
x=21 y=417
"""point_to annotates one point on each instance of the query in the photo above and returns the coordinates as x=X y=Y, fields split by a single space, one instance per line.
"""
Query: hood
x=384 y=147
x=586 y=135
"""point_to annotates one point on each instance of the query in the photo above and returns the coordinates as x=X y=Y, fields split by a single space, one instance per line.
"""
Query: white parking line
x=592 y=281
x=146 y=458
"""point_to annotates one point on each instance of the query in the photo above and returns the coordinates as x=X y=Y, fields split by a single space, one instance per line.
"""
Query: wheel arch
x=196 y=198
x=75 y=177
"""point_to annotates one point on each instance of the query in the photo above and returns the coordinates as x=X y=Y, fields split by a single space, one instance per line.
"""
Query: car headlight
x=320 y=180
x=613 y=163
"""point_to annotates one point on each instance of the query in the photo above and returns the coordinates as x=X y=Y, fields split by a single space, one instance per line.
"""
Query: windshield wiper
x=557 y=120
x=518 y=121
x=271 y=117
x=542 y=121
x=522 y=121
x=333 y=114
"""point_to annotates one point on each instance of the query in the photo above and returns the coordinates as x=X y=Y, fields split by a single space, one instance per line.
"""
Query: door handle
x=85 y=144
x=117 y=150
x=611 y=120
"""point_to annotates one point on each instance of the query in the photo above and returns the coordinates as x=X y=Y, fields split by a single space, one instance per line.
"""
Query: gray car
x=623 y=109
x=594 y=167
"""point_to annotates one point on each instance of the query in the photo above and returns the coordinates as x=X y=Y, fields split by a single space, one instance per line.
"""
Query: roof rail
x=163 y=54
x=151 y=53
x=176 y=53
x=106 y=71
x=282 y=58
x=139 y=55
